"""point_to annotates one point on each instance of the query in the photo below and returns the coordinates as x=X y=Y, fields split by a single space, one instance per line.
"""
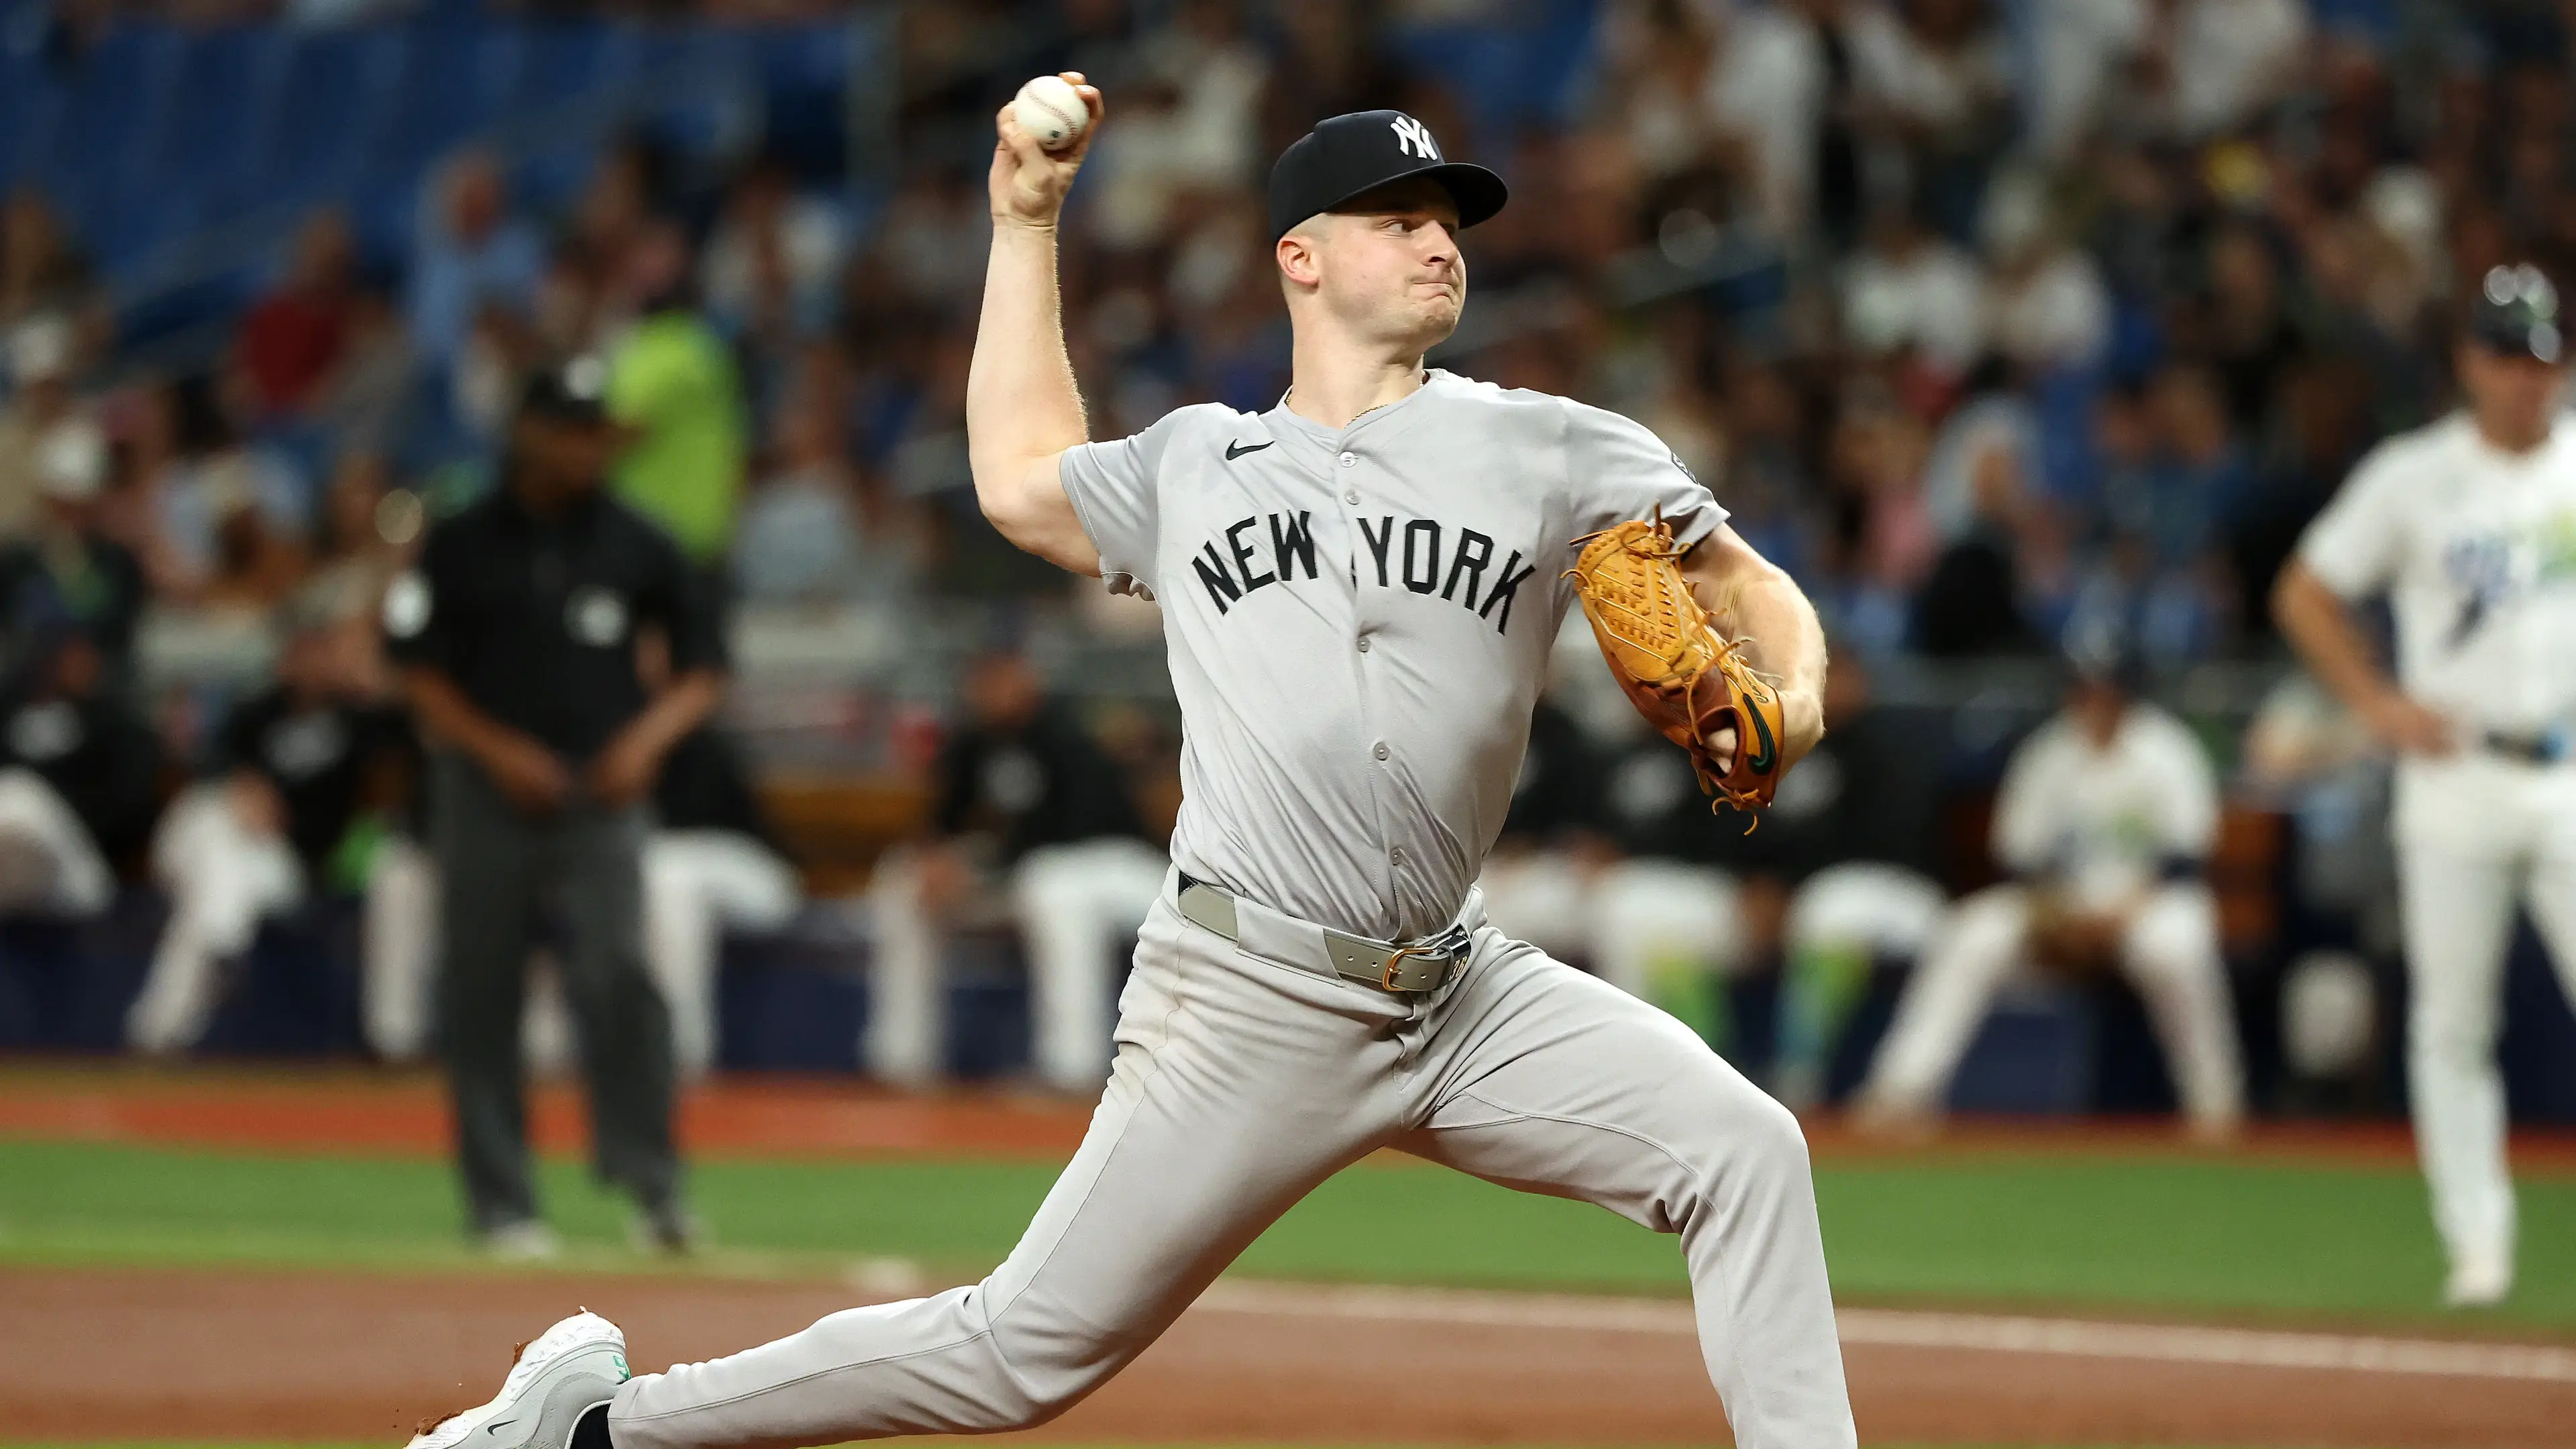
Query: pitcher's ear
x=1297 y=259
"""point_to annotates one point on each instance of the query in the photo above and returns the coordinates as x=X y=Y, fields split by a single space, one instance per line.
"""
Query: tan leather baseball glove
x=1666 y=653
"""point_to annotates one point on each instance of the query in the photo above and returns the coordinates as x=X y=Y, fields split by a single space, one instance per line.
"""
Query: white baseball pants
x=1660 y=925
x=1656 y=917
x=1842 y=921
x=1071 y=904
x=398 y=949
x=1240 y=1083
x=697 y=885
x=222 y=878
x=2475 y=837
x=2169 y=952
x=48 y=863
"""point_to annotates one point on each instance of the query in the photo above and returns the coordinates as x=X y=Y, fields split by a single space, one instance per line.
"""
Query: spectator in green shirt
x=673 y=383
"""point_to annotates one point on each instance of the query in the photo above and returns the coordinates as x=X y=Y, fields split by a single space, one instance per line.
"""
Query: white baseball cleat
x=2482 y=1281
x=569 y=1369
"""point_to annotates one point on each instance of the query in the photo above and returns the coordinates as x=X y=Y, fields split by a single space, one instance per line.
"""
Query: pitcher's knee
x=1775 y=1139
x=1750 y=1136
x=1043 y=1374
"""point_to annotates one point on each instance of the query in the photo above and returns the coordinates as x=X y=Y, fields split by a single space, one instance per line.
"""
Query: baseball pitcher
x=1359 y=588
x=2469 y=527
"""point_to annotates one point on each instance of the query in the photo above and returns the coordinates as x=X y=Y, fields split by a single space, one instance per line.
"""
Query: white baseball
x=1050 y=110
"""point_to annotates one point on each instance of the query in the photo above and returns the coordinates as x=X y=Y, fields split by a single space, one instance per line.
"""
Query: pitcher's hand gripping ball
x=1666 y=653
x=1051 y=111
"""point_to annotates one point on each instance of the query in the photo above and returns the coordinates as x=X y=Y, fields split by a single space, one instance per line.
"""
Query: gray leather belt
x=1402 y=968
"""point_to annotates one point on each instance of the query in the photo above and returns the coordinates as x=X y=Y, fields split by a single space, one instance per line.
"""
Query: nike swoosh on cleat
x=1237 y=450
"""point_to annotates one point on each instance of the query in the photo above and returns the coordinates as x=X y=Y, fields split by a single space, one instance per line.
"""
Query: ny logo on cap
x=1414 y=138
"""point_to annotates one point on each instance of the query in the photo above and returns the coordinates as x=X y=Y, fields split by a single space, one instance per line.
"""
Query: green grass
x=2102 y=1230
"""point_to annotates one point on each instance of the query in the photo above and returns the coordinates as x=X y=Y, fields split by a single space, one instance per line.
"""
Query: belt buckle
x=1447 y=946
x=1395 y=963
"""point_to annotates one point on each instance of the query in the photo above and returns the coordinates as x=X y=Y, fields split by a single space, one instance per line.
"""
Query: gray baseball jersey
x=1358 y=623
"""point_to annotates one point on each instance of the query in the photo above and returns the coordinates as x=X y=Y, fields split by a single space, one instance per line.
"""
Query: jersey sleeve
x=2187 y=821
x=2354 y=545
x=1620 y=470
x=1114 y=489
x=2025 y=830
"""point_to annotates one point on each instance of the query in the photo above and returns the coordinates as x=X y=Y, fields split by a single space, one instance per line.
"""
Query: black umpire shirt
x=1047 y=784
x=319 y=757
x=534 y=619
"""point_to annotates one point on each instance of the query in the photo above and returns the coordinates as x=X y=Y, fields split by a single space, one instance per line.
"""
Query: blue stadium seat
x=205 y=124
x=802 y=71
x=334 y=86
x=563 y=62
x=2034 y=1055
x=87 y=147
x=1505 y=72
x=451 y=82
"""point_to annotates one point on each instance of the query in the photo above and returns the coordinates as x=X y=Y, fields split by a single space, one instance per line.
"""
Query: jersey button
x=1364 y=644
x=1381 y=750
x=1396 y=855
x=1350 y=459
x=1353 y=496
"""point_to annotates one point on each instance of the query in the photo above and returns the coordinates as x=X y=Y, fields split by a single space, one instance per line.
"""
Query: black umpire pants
x=498 y=870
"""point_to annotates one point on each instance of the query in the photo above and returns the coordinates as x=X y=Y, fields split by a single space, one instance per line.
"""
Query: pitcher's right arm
x=1022 y=408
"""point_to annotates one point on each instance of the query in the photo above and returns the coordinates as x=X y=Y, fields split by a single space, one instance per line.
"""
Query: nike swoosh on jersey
x=1237 y=450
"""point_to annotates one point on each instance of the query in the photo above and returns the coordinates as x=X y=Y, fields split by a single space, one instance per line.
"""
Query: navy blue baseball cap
x=2516 y=314
x=1346 y=156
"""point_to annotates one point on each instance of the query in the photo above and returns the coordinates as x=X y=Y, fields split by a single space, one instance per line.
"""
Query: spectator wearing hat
x=307 y=778
x=517 y=641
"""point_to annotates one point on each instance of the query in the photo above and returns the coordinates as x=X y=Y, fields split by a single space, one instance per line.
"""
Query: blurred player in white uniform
x=2105 y=820
x=1836 y=878
x=1032 y=828
x=2469 y=527
x=311 y=774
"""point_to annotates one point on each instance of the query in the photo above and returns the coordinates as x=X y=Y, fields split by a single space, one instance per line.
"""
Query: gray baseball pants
x=497 y=869
x=1241 y=1083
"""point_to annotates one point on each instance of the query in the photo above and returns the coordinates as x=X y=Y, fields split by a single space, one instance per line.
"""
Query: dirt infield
x=126 y=1354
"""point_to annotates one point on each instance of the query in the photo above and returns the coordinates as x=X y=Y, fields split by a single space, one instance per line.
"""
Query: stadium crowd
x=1996 y=323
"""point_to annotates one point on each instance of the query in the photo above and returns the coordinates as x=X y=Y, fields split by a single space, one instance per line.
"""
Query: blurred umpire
x=517 y=639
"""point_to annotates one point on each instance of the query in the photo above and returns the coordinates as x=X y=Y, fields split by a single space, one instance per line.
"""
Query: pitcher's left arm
x=1753 y=599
